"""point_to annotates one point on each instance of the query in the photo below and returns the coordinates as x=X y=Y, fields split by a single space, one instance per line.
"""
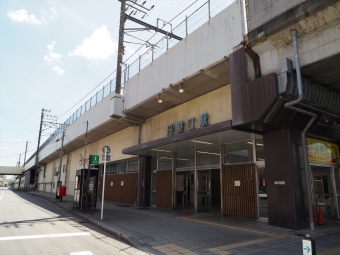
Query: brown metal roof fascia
x=250 y=101
x=215 y=128
x=256 y=60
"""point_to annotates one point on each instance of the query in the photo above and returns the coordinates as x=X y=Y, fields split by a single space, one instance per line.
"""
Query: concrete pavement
x=165 y=231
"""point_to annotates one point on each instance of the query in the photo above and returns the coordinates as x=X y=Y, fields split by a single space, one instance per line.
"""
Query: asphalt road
x=33 y=225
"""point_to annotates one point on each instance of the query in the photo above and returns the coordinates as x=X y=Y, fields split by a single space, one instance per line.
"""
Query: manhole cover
x=123 y=205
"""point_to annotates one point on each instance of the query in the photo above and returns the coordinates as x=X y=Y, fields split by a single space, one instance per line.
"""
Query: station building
x=228 y=142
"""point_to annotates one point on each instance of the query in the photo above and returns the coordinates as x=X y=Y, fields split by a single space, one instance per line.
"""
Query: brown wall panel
x=126 y=193
x=239 y=201
x=164 y=188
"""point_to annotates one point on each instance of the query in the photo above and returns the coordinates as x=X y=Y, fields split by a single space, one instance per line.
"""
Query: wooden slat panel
x=164 y=188
x=239 y=201
x=126 y=193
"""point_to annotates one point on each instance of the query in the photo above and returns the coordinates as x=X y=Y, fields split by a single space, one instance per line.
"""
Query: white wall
x=203 y=48
x=96 y=116
x=313 y=47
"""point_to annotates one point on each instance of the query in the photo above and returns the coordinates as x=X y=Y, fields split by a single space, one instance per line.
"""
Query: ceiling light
x=195 y=141
x=160 y=150
x=159 y=99
x=165 y=157
x=181 y=90
x=206 y=152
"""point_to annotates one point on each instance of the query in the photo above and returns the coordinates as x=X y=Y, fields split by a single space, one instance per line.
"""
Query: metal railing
x=189 y=24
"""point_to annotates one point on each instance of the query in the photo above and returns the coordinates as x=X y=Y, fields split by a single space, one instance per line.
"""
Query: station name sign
x=190 y=124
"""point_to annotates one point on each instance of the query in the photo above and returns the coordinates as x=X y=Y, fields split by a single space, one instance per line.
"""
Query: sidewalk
x=165 y=231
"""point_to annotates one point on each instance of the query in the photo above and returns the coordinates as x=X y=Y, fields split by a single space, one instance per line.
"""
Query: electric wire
x=98 y=85
x=15 y=154
x=88 y=61
x=116 y=69
x=71 y=143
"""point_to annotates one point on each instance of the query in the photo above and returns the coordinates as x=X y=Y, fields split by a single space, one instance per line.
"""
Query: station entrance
x=208 y=191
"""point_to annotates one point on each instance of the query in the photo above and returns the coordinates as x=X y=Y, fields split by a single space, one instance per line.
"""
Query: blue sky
x=54 y=53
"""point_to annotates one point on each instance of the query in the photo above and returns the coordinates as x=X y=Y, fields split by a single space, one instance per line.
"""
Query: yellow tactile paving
x=192 y=218
x=335 y=251
x=222 y=250
x=172 y=249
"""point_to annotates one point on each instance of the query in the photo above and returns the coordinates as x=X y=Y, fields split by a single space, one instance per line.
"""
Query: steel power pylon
x=123 y=17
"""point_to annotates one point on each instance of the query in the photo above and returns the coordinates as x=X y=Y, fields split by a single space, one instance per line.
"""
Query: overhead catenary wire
x=16 y=154
x=98 y=84
x=71 y=143
x=88 y=61
x=124 y=61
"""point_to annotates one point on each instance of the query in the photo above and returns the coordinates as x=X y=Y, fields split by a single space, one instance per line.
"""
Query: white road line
x=82 y=253
x=44 y=236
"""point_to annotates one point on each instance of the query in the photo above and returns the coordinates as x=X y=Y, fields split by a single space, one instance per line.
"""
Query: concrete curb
x=131 y=241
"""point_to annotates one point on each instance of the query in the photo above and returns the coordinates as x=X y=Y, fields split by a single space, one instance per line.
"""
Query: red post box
x=61 y=191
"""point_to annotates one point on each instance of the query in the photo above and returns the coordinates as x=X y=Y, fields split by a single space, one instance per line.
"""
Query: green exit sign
x=94 y=159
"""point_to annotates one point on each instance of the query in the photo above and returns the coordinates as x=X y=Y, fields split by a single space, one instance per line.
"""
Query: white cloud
x=22 y=16
x=55 y=56
x=51 y=57
x=98 y=46
x=50 y=47
x=58 y=70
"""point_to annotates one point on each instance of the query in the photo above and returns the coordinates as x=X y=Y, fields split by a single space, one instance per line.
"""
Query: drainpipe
x=290 y=105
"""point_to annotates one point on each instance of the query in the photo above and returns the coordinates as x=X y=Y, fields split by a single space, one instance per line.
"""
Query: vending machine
x=85 y=189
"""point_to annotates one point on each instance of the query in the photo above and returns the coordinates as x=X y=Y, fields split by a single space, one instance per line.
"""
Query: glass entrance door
x=262 y=192
x=203 y=190
x=182 y=190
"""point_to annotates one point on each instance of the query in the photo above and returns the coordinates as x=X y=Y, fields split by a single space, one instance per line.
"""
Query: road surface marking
x=222 y=249
x=190 y=218
x=44 y=236
x=82 y=253
x=173 y=249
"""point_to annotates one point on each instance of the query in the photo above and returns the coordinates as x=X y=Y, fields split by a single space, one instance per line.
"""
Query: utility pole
x=19 y=160
x=61 y=154
x=88 y=171
x=25 y=153
x=41 y=122
x=120 y=46
x=87 y=126
x=123 y=17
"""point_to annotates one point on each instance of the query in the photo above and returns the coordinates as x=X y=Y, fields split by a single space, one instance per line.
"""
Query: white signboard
x=122 y=183
x=307 y=247
x=107 y=158
x=279 y=182
x=111 y=183
x=237 y=183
